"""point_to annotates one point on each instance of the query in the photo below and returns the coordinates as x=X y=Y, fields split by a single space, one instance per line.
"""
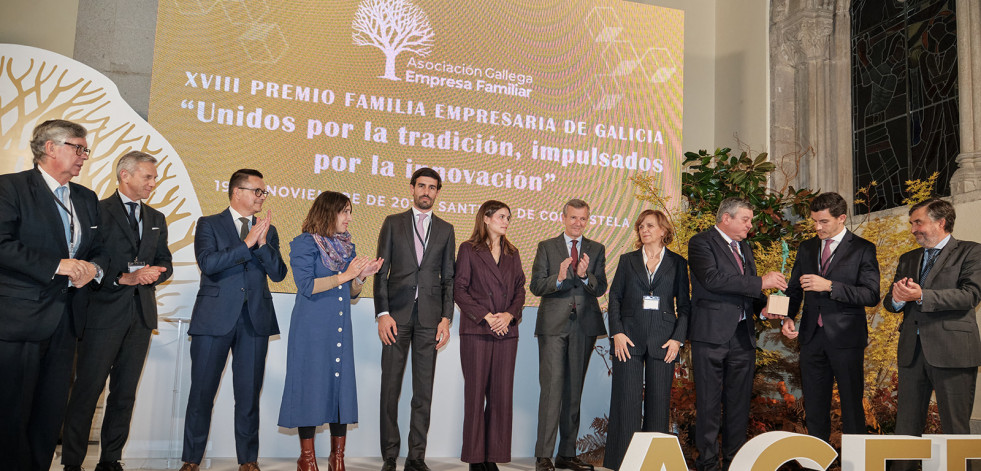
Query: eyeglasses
x=259 y=192
x=79 y=149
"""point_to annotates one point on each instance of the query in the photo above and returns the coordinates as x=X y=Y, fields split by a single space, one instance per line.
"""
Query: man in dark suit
x=414 y=307
x=236 y=252
x=937 y=288
x=569 y=273
x=836 y=275
x=726 y=295
x=122 y=314
x=50 y=248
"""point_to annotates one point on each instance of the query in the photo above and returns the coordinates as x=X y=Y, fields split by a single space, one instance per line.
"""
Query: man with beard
x=414 y=307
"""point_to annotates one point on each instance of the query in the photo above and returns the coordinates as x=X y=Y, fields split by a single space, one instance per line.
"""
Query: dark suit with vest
x=483 y=286
x=569 y=320
x=725 y=301
x=396 y=286
x=117 y=334
x=640 y=399
x=939 y=346
x=835 y=350
x=41 y=315
x=233 y=312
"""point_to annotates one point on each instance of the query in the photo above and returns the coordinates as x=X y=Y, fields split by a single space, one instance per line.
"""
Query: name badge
x=136 y=265
x=652 y=302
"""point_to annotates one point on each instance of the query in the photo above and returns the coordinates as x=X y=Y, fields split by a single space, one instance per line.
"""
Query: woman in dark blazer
x=648 y=312
x=489 y=288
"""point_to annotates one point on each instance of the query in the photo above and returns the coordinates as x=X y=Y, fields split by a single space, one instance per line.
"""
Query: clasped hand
x=906 y=290
x=144 y=276
x=79 y=272
x=499 y=322
x=362 y=267
x=257 y=235
x=581 y=267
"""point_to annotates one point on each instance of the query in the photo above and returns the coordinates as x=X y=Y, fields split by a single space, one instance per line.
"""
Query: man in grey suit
x=414 y=307
x=121 y=315
x=569 y=273
x=937 y=288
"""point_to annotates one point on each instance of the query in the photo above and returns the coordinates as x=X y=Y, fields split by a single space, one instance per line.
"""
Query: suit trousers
x=562 y=363
x=723 y=384
x=422 y=341
x=209 y=353
x=488 y=397
x=117 y=353
x=640 y=400
x=33 y=397
x=821 y=366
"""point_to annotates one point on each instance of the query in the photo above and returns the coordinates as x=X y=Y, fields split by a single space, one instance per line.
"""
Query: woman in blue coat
x=320 y=384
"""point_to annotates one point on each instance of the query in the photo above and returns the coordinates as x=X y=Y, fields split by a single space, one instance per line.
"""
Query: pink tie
x=735 y=253
x=420 y=230
x=825 y=258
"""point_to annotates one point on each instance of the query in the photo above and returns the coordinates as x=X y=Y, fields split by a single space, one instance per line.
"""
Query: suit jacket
x=557 y=302
x=720 y=294
x=946 y=321
x=32 y=244
x=400 y=275
x=112 y=304
x=483 y=286
x=648 y=328
x=854 y=275
x=233 y=275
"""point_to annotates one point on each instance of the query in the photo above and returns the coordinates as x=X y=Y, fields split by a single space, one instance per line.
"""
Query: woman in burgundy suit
x=489 y=287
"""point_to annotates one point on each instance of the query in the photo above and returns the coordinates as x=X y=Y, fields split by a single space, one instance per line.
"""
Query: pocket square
x=154 y=228
x=93 y=227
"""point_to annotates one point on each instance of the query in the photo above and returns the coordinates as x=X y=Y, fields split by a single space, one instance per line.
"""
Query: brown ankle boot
x=308 y=457
x=336 y=460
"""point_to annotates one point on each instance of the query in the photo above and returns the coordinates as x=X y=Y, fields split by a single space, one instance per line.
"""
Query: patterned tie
x=739 y=259
x=133 y=223
x=825 y=258
x=929 y=258
x=60 y=193
x=420 y=230
x=244 y=231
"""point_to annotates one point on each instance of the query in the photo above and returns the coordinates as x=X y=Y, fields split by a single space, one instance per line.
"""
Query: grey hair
x=131 y=160
x=731 y=206
x=575 y=203
x=57 y=130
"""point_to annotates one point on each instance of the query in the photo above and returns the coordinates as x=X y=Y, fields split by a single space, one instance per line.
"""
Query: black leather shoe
x=477 y=467
x=73 y=467
x=389 y=465
x=488 y=466
x=109 y=466
x=416 y=465
x=544 y=464
x=573 y=463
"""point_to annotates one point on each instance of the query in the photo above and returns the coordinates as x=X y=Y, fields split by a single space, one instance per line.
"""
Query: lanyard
x=71 y=218
x=422 y=241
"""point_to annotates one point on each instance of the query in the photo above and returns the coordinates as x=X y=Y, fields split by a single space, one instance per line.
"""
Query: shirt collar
x=50 y=181
x=236 y=215
x=724 y=236
x=127 y=200
x=841 y=235
x=943 y=243
x=644 y=252
x=416 y=212
x=568 y=240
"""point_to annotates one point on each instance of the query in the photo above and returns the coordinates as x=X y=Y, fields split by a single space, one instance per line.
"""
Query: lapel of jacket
x=50 y=209
x=635 y=261
x=665 y=272
x=226 y=224
x=727 y=250
x=561 y=250
x=85 y=220
x=118 y=212
x=492 y=266
x=409 y=233
x=941 y=260
x=840 y=252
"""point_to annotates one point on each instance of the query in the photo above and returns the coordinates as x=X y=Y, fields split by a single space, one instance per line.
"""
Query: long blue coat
x=320 y=384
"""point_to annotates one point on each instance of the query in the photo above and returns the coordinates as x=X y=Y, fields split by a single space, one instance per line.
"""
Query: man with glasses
x=236 y=252
x=49 y=248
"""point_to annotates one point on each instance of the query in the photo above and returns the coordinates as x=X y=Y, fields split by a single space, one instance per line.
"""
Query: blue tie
x=929 y=258
x=60 y=192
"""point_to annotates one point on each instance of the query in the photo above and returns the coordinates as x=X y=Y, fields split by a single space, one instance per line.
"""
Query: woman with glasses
x=320 y=385
x=648 y=314
x=489 y=288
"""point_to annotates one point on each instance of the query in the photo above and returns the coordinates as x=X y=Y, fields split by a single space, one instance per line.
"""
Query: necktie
x=929 y=258
x=420 y=230
x=133 y=222
x=60 y=192
x=739 y=259
x=826 y=256
x=574 y=252
x=244 y=231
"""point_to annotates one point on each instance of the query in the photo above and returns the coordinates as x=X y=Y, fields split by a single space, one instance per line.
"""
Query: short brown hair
x=662 y=220
x=831 y=201
x=938 y=209
x=56 y=130
x=322 y=217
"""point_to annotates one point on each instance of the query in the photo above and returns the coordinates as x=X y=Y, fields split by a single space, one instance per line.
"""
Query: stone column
x=967 y=178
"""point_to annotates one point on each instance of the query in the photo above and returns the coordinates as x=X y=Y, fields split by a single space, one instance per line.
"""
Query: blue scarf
x=336 y=251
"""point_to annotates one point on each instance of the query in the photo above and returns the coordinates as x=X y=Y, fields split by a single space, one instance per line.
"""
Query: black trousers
x=723 y=390
x=117 y=354
x=821 y=366
x=34 y=381
x=422 y=341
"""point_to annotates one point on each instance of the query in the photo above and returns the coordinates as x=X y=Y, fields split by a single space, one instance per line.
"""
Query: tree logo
x=392 y=26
